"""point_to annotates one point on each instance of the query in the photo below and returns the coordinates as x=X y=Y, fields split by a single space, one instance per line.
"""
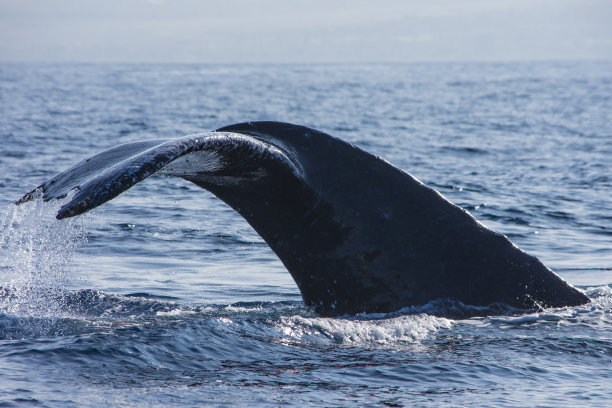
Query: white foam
x=377 y=332
x=175 y=313
x=241 y=309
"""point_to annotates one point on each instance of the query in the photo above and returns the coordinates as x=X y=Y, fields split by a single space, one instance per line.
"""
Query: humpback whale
x=356 y=233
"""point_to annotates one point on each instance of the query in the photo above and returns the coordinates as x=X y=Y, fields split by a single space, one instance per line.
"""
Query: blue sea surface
x=166 y=297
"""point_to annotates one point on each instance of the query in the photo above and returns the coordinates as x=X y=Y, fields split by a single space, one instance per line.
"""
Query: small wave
x=597 y=313
x=86 y=311
x=551 y=316
x=76 y=312
x=467 y=150
x=599 y=291
x=601 y=296
x=457 y=310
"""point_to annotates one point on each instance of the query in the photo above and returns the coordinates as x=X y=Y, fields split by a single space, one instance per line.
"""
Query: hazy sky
x=304 y=31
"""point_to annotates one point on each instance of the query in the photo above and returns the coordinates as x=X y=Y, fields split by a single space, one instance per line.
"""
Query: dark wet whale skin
x=356 y=233
x=360 y=235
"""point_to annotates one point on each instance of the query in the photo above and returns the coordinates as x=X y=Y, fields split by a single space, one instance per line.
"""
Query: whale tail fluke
x=356 y=233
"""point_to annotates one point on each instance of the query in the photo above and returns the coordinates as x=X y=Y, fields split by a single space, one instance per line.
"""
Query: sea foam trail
x=37 y=259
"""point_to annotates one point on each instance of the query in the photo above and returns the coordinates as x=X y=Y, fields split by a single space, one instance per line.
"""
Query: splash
x=37 y=259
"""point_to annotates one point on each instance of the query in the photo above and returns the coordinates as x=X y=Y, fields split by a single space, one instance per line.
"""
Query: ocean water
x=166 y=297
